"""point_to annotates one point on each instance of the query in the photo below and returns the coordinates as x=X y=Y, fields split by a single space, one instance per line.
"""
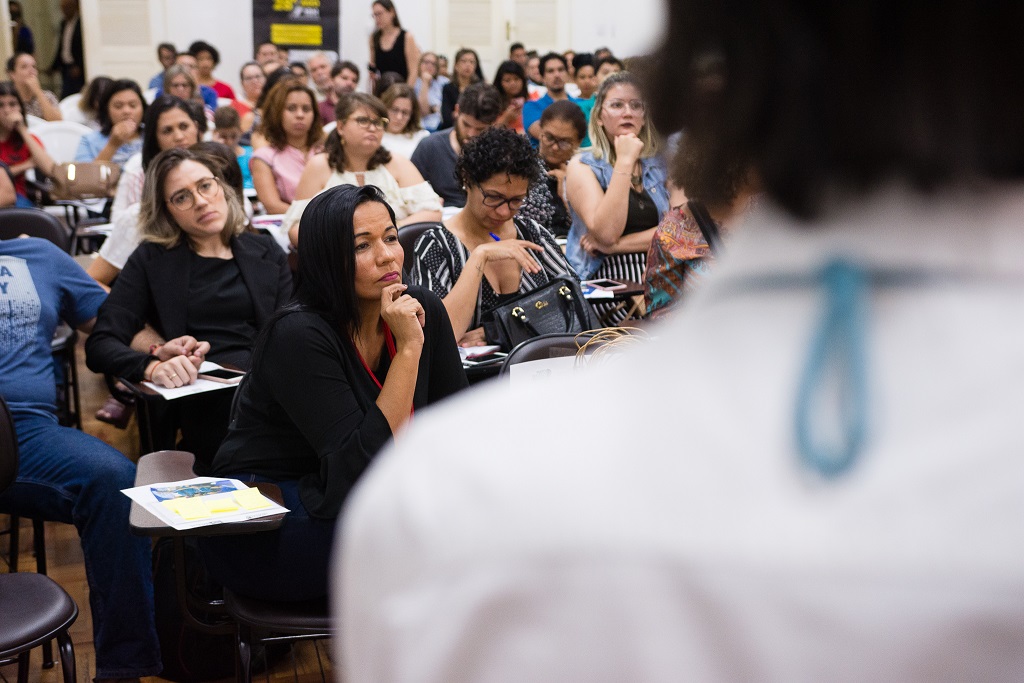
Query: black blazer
x=153 y=289
x=77 y=53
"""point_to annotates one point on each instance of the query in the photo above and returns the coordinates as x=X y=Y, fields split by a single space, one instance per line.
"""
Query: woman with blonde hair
x=293 y=130
x=200 y=281
x=617 y=191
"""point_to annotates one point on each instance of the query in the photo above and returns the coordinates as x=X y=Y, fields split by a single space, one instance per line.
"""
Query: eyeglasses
x=254 y=77
x=619 y=106
x=495 y=201
x=367 y=123
x=560 y=143
x=185 y=199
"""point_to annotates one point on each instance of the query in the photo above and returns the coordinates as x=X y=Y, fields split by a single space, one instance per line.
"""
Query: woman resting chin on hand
x=335 y=374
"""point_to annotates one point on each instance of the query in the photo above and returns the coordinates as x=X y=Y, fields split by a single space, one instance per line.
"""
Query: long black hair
x=103 y=107
x=510 y=67
x=327 y=261
x=150 y=144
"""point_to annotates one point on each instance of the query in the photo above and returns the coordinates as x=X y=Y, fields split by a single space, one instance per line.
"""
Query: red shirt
x=12 y=153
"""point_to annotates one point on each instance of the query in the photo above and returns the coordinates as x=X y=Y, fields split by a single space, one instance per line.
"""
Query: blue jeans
x=67 y=476
x=289 y=564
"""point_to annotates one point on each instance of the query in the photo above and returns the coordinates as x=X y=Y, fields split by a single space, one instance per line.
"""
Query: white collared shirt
x=649 y=520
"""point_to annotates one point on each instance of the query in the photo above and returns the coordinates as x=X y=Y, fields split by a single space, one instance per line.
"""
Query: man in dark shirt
x=478 y=108
x=555 y=71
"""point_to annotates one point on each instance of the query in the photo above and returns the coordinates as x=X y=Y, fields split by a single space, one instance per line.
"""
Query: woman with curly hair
x=486 y=252
x=354 y=155
x=292 y=127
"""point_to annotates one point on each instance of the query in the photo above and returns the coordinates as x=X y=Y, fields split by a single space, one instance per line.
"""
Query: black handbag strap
x=707 y=225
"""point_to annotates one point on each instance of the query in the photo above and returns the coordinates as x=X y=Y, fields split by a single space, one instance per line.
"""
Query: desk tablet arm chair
x=252 y=620
x=34 y=608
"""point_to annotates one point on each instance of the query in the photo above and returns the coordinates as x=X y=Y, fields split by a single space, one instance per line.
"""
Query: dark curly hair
x=497 y=151
x=347 y=105
x=103 y=109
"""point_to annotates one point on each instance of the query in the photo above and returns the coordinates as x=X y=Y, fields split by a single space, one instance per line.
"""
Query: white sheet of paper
x=200 y=386
x=143 y=495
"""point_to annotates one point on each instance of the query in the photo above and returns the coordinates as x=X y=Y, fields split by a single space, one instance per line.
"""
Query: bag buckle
x=519 y=314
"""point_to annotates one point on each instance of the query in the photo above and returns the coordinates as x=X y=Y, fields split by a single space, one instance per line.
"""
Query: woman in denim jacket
x=617 y=191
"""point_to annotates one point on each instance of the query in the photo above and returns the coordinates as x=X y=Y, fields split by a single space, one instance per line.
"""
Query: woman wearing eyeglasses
x=617 y=192
x=200 y=281
x=354 y=155
x=487 y=252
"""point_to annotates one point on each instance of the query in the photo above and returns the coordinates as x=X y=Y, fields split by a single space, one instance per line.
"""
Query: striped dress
x=440 y=258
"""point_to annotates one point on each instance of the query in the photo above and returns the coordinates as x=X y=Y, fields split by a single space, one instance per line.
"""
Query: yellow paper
x=222 y=505
x=189 y=509
x=252 y=499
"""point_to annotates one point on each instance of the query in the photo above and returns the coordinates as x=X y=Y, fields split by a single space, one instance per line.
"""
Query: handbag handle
x=519 y=313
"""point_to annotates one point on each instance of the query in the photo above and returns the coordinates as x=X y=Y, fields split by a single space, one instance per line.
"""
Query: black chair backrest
x=407 y=236
x=15 y=222
x=544 y=346
x=8 y=447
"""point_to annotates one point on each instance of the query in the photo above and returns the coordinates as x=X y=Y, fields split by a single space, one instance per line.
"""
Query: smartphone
x=488 y=359
x=223 y=375
x=610 y=285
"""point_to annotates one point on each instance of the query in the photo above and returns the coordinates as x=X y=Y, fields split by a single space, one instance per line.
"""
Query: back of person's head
x=821 y=99
x=387 y=79
x=569 y=111
x=327 y=262
x=343 y=65
x=229 y=169
x=156 y=223
x=482 y=101
x=226 y=117
x=273 y=78
x=202 y=46
x=400 y=91
x=90 y=102
x=347 y=106
x=497 y=151
x=164 y=103
x=103 y=109
x=272 y=123
x=514 y=68
x=603 y=146
x=551 y=56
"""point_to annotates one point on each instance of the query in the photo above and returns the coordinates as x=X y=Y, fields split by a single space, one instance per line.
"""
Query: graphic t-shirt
x=39 y=286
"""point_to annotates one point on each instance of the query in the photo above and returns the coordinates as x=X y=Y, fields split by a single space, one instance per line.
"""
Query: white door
x=490 y=26
x=117 y=35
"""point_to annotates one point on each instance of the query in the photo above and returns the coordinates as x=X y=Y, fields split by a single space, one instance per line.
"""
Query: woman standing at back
x=392 y=48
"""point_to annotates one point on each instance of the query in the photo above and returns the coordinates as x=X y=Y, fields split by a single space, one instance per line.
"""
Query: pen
x=495 y=237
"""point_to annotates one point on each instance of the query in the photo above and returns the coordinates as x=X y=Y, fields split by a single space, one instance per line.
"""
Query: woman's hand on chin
x=404 y=315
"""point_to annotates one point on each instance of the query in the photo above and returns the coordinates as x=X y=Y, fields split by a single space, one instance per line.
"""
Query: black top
x=435 y=159
x=449 y=98
x=642 y=213
x=308 y=410
x=393 y=59
x=220 y=310
x=153 y=289
x=560 y=220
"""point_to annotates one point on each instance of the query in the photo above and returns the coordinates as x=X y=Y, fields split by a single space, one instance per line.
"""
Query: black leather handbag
x=557 y=307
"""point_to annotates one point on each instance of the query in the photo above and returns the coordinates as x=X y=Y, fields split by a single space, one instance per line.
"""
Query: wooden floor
x=311 y=660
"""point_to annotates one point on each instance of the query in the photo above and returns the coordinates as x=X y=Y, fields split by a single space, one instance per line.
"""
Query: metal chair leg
x=67 y=657
x=23 y=666
x=39 y=543
x=244 y=652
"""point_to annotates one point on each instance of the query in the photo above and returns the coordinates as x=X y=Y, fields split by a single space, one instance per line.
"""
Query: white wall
x=228 y=26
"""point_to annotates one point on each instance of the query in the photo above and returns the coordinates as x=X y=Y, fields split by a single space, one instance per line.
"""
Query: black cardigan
x=307 y=410
x=153 y=288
